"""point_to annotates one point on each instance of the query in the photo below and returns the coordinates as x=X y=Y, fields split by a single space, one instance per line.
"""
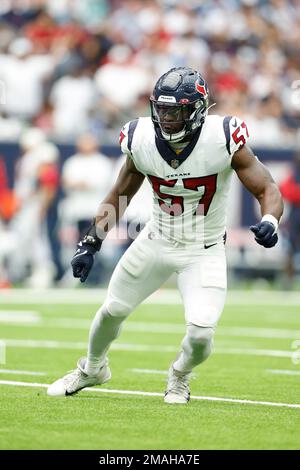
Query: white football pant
x=143 y=268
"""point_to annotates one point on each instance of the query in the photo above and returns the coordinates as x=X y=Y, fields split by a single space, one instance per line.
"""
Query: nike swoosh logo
x=79 y=254
x=208 y=246
x=68 y=394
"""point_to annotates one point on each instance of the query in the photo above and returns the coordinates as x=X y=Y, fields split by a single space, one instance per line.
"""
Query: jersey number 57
x=176 y=206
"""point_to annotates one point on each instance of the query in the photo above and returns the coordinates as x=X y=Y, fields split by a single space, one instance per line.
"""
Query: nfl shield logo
x=175 y=163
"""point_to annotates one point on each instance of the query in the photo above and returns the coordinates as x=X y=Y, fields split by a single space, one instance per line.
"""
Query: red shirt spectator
x=290 y=190
x=8 y=201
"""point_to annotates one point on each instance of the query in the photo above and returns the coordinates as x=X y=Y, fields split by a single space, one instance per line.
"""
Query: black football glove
x=265 y=234
x=83 y=260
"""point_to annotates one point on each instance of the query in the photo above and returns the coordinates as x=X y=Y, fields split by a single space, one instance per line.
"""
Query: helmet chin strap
x=211 y=106
x=173 y=137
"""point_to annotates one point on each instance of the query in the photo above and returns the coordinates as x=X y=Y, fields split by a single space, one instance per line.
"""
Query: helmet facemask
x=184 y=117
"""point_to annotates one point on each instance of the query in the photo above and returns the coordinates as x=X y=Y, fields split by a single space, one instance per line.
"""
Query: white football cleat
x=178 y=391
x=78 y=379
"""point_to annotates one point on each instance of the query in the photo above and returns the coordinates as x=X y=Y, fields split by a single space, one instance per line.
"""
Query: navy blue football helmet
x=180 y=97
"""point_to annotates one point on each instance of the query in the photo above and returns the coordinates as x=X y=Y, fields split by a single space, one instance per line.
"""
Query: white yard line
x=21 y=372
x=19 y=316
x=277 y=333
x=283 y=372
x=35 y=319
x=28 y=343
x=250 y=332
x=154 y=394
x=255 y=352
x=162 y=296
x=44 y=344
x=149 y=371
x=67 y=323
x=154 y=372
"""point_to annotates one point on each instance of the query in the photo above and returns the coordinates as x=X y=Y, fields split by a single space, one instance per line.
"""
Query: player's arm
x=109 y=212
x=258 y=180
x=116 y=202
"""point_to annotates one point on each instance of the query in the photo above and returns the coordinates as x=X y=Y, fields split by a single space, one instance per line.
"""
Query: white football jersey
x=190 y=189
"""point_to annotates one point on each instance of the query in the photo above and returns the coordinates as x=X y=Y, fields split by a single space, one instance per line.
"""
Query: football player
x=188 y=158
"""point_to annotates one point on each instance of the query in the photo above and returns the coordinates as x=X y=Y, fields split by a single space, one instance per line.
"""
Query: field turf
x=256 y=358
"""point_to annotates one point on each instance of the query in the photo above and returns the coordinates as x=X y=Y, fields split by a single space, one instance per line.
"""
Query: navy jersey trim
x=226 y=122
x=168 y=154
x=132 y=127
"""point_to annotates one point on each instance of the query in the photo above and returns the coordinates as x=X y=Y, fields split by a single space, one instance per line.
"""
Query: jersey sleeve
x=123 y=139
x=127 y=135
x=236 y=133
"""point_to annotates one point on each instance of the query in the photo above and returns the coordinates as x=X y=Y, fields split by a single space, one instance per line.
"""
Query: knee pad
x=114 y=308
x=200 y=339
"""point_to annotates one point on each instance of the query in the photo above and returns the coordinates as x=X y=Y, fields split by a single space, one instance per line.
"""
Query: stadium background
x=72 y=67
x=68 y=67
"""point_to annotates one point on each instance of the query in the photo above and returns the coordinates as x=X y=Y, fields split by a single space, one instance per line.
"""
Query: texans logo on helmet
x=201 y=89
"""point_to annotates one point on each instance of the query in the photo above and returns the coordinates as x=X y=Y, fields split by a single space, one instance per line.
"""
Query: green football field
x=245 y=396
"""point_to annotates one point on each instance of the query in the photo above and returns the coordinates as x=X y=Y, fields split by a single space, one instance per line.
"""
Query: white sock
x=93 y=366
x=104 y=329
x=196 y=347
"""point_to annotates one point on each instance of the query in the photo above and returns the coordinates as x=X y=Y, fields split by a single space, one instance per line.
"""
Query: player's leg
x=141 y=271
x=202 y=285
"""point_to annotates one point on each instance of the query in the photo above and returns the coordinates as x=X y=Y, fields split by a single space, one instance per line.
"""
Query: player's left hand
x=265 y=234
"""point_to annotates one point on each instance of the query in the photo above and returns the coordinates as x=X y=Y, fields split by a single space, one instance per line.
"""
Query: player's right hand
x=83 y=261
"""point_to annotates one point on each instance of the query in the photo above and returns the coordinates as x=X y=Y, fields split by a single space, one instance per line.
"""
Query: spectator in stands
x=73 y=97
x=10 y=128
x=36 y=184
x=86 y=178
x=120 y=82
x=71 y=66
x=247 y=50
x=8 y=199
x=265 y=123
x=290 y=189
x=23 y=75
x=8 y=207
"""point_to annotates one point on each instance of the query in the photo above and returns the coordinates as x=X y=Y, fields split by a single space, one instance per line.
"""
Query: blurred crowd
x=51 y=207
x=68 y=66
x=74 y=71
